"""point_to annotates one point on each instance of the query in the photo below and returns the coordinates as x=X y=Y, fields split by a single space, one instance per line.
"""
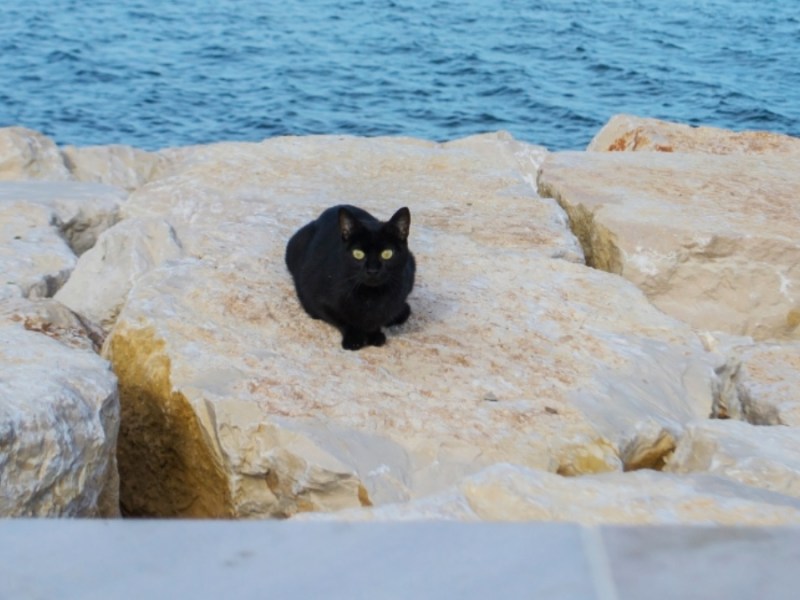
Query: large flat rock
x=644 y=497
x=235 y=403
x=711 y=240
x=629 y=133
x=59 y=415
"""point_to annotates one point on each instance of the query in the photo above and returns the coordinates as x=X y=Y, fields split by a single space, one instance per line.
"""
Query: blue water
x=156 y=73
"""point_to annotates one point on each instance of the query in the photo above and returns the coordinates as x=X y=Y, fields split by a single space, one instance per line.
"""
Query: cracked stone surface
x=44 y=226
x=519 y=366
x=59 y=415
x=764 y=457
x=235 y=403
x=629 y=133
x=710 y=239
x=513 y=493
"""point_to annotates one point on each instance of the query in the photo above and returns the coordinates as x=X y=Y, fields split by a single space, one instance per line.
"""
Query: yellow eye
x=358 y=254
x=386 y=254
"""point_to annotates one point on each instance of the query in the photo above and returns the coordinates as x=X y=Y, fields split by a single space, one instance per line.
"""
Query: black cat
x=354 y=271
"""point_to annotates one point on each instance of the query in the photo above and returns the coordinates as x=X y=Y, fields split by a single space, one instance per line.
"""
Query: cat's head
x=375 y=252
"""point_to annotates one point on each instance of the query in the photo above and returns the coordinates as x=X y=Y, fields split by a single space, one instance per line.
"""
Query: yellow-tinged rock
x=764 y=457
x=513 y=493
x=763 y=387
x=628 y=133
x=711 y=240
x=236 y=403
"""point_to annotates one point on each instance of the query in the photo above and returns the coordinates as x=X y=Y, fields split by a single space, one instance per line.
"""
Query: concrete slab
x=704 y=563
x=95 y=559
x=88 y=560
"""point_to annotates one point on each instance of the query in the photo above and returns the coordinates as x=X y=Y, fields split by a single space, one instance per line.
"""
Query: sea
x=160 y=73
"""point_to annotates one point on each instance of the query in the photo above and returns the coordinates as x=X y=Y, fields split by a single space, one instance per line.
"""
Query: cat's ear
x=348 y=224
x=401 y=223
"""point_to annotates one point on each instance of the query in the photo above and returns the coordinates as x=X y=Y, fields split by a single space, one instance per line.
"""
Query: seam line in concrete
x=599 y=564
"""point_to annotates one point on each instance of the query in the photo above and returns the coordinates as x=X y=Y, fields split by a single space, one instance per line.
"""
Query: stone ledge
x=212 y=559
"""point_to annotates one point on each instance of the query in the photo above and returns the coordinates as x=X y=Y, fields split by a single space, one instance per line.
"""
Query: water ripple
x=157 y=74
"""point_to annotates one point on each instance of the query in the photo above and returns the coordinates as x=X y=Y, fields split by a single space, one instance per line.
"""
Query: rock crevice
x=165 y=463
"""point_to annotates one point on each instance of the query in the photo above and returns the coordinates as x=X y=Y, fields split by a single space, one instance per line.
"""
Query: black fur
x=358 y=295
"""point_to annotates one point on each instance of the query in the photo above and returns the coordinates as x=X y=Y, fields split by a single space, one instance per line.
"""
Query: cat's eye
x=358 y=254
x=387 y=254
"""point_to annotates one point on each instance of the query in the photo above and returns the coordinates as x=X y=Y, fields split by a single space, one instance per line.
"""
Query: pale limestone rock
x=711 y=240
x=505 y=171
x=627 y=133
x=105 y=274
x=9 y=290
x=766 y=383
x=59 y=415
x=759 y=382
x=43 y=225
x=764 y=457
x=27 y=154
x=122 y=166
x=35 y=260
x=235 y=403
x=80 y=211
x=514 y=493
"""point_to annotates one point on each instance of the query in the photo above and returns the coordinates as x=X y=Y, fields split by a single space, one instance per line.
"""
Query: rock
x=59 y=415
x=27 y=155
x=764 y=457
x=80 y=211
x=710 y=239
x=514 y=493
x=766 y=383
x=761 y=386
x=121 y=166
x=105 y=274
x=43 y=226
x=235 y=403
x=628 y=133
x=35 y=258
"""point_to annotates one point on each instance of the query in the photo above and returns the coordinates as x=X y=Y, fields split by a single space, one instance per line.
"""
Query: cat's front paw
x=354 y=340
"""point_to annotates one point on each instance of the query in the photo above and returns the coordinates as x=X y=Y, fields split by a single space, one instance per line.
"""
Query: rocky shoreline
x=608 y=336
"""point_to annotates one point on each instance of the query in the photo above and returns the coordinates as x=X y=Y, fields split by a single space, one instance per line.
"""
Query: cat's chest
x=370 y=299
